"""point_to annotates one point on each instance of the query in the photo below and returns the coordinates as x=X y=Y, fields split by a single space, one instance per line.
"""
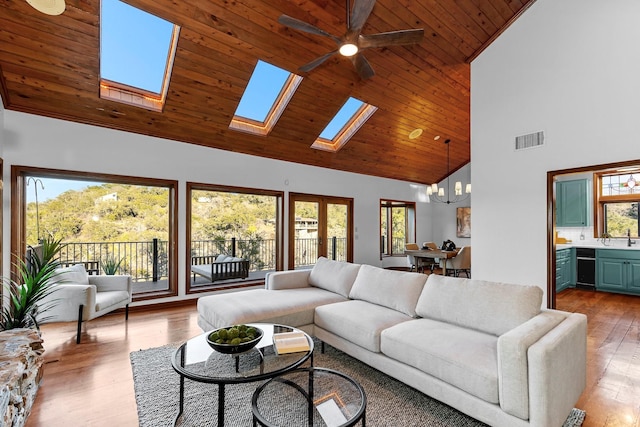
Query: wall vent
x=531 y=140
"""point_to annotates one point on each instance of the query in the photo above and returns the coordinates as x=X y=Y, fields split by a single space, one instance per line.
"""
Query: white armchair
x=80 y=297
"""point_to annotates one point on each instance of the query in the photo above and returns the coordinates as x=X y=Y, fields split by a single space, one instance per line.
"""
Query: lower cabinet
x=618 y=271
x=565 y=269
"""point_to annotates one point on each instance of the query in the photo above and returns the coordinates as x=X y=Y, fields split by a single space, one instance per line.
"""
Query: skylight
x=344 y=125
x=266 y=96
x=136 y=55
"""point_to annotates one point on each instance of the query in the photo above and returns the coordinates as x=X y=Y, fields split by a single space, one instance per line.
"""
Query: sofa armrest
x=290 y=279
x=558 y=363
x=513 y=366
x=120 y=282
x=63 y=303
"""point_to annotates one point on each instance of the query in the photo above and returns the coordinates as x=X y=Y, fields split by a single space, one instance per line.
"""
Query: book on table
x=290 y=342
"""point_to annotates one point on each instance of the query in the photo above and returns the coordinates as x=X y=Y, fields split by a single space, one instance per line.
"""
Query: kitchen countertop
x=613 y=244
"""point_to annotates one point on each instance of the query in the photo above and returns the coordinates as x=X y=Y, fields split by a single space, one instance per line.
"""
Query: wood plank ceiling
x=49 y=65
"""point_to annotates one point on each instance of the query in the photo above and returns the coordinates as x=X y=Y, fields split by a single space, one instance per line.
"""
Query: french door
x=319 y=226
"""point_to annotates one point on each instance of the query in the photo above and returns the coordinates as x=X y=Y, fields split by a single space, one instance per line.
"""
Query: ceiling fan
x=352 y=43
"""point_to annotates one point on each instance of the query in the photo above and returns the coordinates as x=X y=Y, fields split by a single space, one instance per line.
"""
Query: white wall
x=49 y=143
x=570 y=68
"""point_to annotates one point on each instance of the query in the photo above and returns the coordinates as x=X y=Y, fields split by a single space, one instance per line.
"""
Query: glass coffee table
x=310 y=397
x=197 y=361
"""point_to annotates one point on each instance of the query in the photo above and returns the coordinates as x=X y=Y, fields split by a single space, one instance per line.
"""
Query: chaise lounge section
x=484 y=348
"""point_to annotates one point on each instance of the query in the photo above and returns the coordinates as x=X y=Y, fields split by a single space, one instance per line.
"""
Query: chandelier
x=437 y=194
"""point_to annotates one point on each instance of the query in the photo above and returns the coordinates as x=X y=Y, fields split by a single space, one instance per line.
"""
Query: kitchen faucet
x=629 y=241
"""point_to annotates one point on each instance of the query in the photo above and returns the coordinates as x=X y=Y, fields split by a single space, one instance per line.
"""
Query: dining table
x=432 y=254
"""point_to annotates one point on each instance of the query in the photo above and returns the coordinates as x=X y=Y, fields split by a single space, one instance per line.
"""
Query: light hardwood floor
x=91 y=384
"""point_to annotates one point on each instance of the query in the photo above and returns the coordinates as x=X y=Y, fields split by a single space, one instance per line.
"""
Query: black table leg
x=311 y=396
x=220 y=405
x=181 y=408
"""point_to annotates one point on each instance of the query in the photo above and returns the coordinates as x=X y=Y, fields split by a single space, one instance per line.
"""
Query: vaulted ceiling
x=50 y=66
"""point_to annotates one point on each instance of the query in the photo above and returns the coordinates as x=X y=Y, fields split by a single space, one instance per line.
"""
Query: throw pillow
x=393 y=289
x=222 y=258
x=334 y=276
x=75 y=274
x=490 y=307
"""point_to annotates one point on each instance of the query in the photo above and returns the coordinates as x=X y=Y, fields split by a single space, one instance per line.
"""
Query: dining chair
x=416 y=264
x=435 y=261
x=460 y=263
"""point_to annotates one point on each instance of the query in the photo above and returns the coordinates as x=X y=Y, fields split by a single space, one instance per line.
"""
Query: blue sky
x=134 y=46
x=53 y=188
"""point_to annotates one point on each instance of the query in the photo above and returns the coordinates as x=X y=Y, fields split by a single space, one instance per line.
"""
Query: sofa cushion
x=76 y=274
x=490 y=307
x=334 y=276
x=293 y=307
x=462 y=357
x=389 y=288
x=358 y=321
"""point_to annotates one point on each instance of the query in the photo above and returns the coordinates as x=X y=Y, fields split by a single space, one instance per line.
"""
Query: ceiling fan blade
x=313 y=64
x=362 y=66
x=299 y=25
x=392 y=38
x=361 y=11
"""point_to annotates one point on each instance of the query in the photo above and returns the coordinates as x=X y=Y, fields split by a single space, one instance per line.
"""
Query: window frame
x=19 y=212
x=410 y=224
x=190 y=187
x=601 y=200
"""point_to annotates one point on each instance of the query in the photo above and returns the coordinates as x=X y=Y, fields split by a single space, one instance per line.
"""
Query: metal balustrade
x=148 y=261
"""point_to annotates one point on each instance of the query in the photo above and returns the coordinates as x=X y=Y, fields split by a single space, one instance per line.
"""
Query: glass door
x=319 y=226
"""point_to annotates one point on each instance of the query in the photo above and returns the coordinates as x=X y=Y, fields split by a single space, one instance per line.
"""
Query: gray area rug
x=389 y=402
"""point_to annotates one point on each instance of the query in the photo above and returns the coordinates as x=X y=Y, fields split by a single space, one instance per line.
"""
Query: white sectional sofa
x=484 y=348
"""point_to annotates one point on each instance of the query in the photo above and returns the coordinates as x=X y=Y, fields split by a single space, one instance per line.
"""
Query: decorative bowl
x=223 y=341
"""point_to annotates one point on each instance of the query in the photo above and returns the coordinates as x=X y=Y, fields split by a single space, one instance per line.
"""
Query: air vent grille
x=531 y=140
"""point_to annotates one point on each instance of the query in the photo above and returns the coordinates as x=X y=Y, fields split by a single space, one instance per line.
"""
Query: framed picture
x=463 y=222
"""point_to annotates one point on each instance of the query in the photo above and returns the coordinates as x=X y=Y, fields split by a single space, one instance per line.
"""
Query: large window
x=618 y=198
x=127 y=222
x=397 y=226
x=232 y=225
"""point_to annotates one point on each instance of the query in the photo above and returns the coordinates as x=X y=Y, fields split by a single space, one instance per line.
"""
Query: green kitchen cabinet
x=572 y=203
x=618 y=271
x=565 y=269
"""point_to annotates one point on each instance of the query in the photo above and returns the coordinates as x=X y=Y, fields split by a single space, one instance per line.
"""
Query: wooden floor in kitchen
x=91 y=384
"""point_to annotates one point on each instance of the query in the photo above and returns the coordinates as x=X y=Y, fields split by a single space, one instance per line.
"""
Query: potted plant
x=110 y=265
x=36 y=274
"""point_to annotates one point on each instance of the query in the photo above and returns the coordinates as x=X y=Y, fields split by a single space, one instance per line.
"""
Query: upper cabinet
x=572 y=203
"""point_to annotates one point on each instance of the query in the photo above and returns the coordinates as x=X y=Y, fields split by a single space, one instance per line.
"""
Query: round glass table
x=315 y=397
x=197 y=361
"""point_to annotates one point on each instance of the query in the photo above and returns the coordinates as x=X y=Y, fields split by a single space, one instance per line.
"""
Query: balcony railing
x=148 y=261
x=144 y=261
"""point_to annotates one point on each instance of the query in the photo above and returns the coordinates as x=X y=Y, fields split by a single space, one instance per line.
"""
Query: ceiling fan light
x=348 y=49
